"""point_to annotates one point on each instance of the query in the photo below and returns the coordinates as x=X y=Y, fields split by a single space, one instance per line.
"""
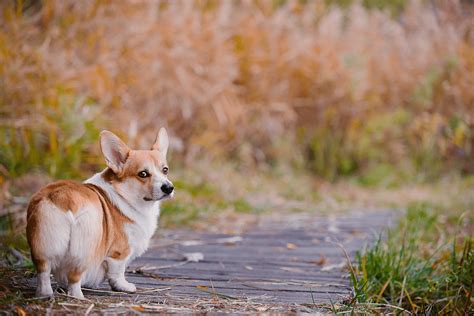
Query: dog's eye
x=144 y=174
x=165 y=170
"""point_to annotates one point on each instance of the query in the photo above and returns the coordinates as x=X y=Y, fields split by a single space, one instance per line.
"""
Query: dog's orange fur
x=71 y=196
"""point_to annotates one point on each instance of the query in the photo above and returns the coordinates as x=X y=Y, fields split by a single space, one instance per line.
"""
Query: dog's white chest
x=140 y=232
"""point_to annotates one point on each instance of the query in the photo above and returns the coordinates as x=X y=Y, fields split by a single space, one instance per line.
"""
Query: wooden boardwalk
x=297 y=259
x=286 y=263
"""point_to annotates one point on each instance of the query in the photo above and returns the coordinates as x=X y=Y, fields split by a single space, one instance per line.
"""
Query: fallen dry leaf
x=138 y=308
x=194 y=256
x=20 y=311
x=322 y=260
x=291 y=246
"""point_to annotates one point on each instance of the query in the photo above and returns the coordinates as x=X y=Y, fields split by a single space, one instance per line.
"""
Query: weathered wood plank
x=266 y=254
x=291 y=261
x=284 y=262
x=242 y=276
x=266 y=286
x=255 y=269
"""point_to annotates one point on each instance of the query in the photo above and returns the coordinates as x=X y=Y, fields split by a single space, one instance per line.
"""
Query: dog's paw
x=123 y=286
x=77 y=293
x=129 y=287
x=44 y=292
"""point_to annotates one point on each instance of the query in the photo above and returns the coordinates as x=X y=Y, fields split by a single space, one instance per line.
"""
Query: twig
x=154 y=290
x=77 y=298
x=88 y=310
x=37 y=298
x=70 y=304
x=137 y=292
x=204 y=289
x=145 y=268
x=401 y=292
x=104 y=291
x=386 y=305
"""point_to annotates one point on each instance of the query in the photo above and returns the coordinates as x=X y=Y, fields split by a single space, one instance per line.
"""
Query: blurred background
x=274 y=107
x=318 y=94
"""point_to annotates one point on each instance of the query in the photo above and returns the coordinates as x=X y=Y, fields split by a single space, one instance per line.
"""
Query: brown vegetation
x=351 y=87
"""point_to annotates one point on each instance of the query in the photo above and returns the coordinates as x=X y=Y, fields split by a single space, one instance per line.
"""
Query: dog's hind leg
x=48 y=235
x=116 y=276
x=43 y=269
x=74 y=283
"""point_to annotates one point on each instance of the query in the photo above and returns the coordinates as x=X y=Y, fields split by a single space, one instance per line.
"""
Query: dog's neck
x=133 y=210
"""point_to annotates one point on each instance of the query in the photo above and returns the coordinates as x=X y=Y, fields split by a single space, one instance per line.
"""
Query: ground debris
x=221 y=273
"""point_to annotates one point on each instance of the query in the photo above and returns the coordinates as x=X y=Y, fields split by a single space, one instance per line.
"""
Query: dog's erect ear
x=161 y=142
x=114 y=150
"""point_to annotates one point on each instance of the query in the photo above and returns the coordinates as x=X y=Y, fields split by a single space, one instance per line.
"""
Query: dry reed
x=349 y=86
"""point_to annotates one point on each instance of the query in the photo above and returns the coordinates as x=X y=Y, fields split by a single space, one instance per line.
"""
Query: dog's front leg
x=116 y=276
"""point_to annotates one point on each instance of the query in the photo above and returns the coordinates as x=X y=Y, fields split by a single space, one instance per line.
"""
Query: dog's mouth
x=149 y=199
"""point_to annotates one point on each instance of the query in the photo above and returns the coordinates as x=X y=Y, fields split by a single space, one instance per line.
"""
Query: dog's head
x=139 y=176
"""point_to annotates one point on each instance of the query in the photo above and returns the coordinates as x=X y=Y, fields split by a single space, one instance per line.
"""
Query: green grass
x=176 y=213
x=426 y=265
x=58 y=141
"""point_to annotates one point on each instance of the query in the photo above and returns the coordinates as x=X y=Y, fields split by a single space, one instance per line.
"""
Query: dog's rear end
x=64 y=225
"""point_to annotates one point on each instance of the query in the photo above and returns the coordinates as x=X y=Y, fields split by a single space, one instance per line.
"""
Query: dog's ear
x=161 y=142
x=114 y=150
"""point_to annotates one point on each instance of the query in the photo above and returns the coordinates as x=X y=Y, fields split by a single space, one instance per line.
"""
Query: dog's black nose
x=167 y=188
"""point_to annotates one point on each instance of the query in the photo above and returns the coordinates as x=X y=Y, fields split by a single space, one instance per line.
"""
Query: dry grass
x=339 y=89
x=17 y=296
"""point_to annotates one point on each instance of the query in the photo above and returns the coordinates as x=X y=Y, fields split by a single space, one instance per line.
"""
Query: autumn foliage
x=337 y=89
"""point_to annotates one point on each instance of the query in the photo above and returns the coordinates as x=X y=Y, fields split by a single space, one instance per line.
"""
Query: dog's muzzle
x=167 y=188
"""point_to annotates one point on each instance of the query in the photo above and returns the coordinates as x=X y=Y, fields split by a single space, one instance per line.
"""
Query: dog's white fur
x=145 y=217
x=67 y=237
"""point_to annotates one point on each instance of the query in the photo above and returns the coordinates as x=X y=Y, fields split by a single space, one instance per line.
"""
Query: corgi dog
x=86 y=232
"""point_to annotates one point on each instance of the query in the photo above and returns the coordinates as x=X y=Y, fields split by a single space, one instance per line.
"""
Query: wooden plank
x=276 y=262
x=265 y=286
x=244 y=268
x=305 y=254
x=239 y=276
x=224 y=261
x=261 y=262
x=269 y=259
